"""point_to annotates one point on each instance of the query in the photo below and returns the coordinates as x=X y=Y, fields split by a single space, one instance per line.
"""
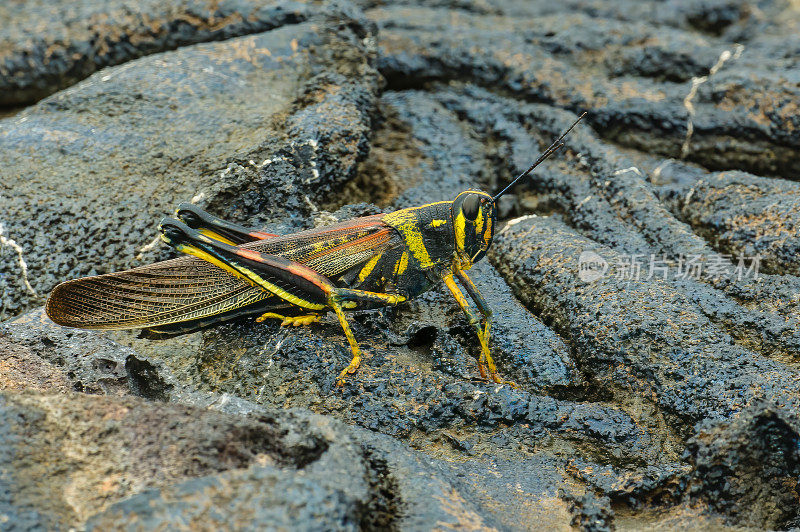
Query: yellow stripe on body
x=368 y=267
x=250 y=276
x=460 y=227
x=402 y=263
x=437 y=223
x=479 y=221
x=461 y=262
x=216 y=236
x=405 y=221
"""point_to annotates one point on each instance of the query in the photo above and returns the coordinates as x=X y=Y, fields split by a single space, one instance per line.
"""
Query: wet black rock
x=691 y=369
x=168 y=464
x=749 y=468
x=106 y=448
x=746 y=215
x=84 y=361
x=652 y=394
x=515 y=443
x=52 y=45
x=113 y=154
x=635 y=75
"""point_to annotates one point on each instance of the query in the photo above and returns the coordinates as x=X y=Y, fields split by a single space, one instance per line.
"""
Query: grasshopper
x=367 y=262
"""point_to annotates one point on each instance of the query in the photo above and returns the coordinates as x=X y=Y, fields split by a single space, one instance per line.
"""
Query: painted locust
x=366 y=262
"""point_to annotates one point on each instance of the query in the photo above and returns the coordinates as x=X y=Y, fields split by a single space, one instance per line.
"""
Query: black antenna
x=554 y=147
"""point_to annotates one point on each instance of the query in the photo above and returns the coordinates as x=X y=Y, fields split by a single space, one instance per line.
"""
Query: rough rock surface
x=204 y=123
x=52 y=45
x=659 y=398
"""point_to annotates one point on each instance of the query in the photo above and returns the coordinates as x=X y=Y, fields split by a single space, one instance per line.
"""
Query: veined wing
x=188 y=289
x=166 y=292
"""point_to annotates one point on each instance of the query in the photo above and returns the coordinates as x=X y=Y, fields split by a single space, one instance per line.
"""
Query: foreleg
x=485 y=361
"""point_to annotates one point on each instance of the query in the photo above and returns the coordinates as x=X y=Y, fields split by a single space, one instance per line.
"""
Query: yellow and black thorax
x=430 y=241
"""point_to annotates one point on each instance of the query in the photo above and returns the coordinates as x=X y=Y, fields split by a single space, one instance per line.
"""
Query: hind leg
x=217 y=228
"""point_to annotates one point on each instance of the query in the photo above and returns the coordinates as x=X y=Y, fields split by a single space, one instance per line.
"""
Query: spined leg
x=354 y=349
x=342 y=298
x=485 y=360
x=486 y=312
x=349 y=296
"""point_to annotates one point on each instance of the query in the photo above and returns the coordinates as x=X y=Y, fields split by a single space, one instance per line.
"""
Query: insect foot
x=295 y=321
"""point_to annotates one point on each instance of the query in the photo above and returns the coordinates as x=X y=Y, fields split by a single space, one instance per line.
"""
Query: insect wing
x=166 y=292
x=332 y=250
x=187 y=288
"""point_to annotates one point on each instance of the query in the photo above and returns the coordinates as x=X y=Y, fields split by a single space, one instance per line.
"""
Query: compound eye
x=470 y=207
